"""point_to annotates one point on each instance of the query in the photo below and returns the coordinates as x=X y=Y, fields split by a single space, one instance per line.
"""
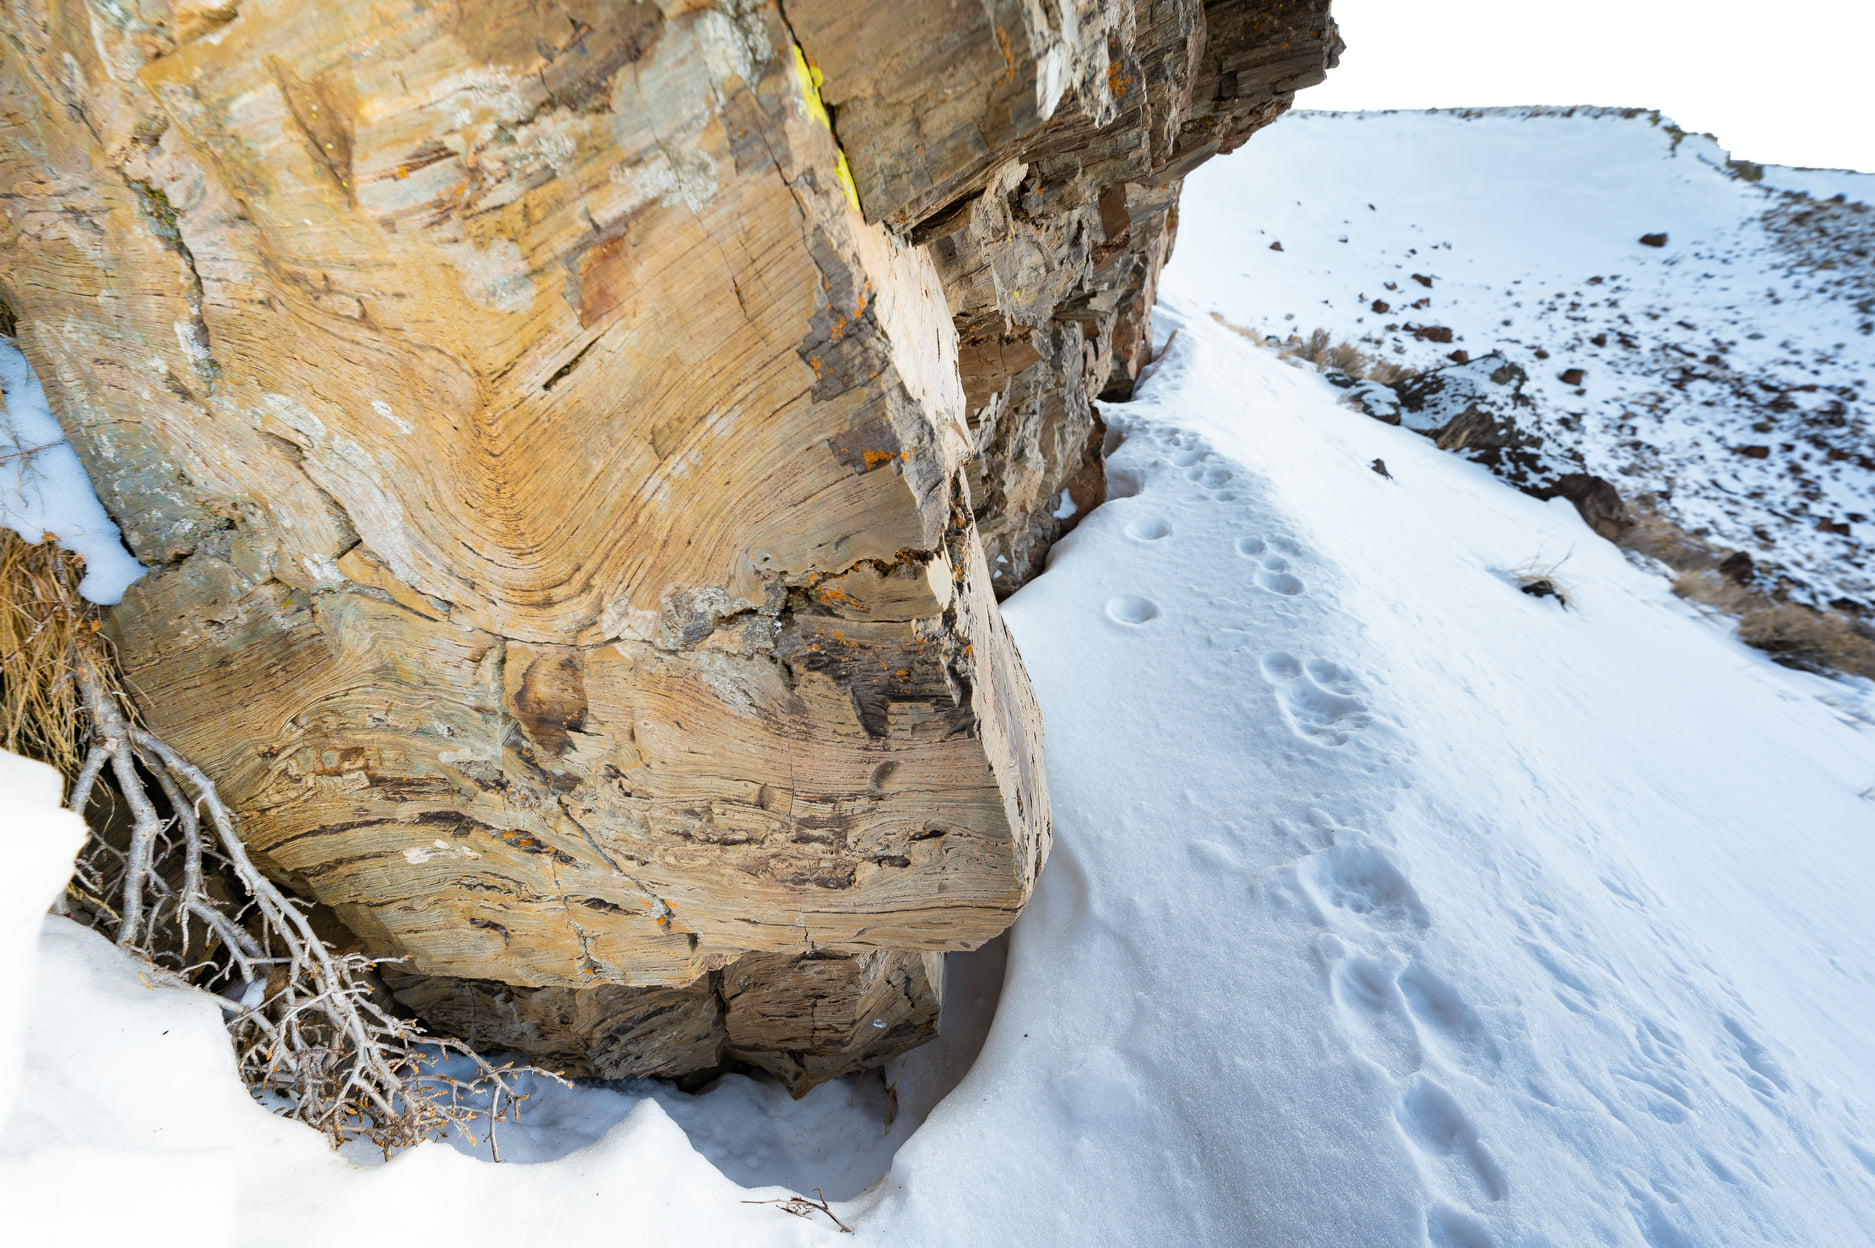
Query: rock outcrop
x=1478 y=409
x=577 y=448
x=1042 y=173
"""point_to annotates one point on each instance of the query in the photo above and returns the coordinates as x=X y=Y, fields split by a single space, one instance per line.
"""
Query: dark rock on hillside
x=1478 y=409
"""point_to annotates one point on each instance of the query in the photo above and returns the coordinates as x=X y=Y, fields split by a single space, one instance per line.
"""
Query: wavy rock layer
x=565 y=440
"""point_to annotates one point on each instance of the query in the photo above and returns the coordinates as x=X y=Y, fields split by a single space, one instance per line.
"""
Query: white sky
x=1788 y=84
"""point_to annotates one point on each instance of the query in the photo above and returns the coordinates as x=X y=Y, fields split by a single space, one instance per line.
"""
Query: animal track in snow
x=1316 y=697
x=1279 y=667
x=1275 y=563
x=1447 y=1227
x=1373 y=1013
x=1441 y=1133
x=1454 y=1026
x=1398 y=1015
x=1361 y=881
x=1285 y=583
x=1148 y=529
x=1251 y=547
x=1131 y=610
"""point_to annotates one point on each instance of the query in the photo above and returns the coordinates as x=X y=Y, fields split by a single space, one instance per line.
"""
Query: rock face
x=566 y=440
x=1047 y=196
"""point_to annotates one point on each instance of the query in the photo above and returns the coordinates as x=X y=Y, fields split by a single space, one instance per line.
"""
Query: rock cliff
x=578 y=446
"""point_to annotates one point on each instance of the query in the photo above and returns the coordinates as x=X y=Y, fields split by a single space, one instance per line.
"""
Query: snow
x=1388 y=905
x=1753 y=327
x=40 y=841
x=44 y=489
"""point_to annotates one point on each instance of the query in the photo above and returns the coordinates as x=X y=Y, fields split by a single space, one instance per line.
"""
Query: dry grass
x=1539 y=578
x=1321 y=350
x=42 y=621
x=1795 y=635
x=1817 y=641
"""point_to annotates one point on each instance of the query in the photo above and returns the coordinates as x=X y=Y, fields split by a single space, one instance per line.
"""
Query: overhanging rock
x=565 y=505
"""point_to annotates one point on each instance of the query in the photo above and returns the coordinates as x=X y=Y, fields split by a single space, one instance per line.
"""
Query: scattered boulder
x=1654 y=240
x=1471 y=405
x=1571 y=376
x=1596 y=500
x=1737 y=568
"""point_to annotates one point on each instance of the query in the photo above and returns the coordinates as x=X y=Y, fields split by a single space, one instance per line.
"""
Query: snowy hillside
x=1727 y=370
x=1389 y=905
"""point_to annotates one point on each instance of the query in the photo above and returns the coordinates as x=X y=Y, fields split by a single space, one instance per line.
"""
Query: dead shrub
x=1824 y=642
x=1321 y=351
x=40 y=629
x=1709 y=588
x=1539 y=578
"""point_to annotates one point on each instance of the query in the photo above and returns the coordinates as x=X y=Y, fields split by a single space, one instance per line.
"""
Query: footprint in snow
x=1278 y=582
x=1397 y=1015
x=1132 y=610
x=1372 y=1012
x=1251 y=547
x=1148 y=529
x=1447 y=1227
x=1316 y=696
x=1456 y=1030
x=1362 y=881
x=1445 y=1139
x=1279 y=667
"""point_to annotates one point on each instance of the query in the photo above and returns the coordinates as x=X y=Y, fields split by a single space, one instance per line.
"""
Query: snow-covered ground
x=1389 y=905
x=1730 y=371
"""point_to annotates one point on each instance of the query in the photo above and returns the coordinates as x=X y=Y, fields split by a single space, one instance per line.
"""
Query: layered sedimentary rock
x=565 y=437
x=1043 y=176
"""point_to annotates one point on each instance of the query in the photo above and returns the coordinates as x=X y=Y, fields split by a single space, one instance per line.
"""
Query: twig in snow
x=801 y=1207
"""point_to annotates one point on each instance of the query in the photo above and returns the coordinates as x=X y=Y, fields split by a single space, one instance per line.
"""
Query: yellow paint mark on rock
x=811 y=79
